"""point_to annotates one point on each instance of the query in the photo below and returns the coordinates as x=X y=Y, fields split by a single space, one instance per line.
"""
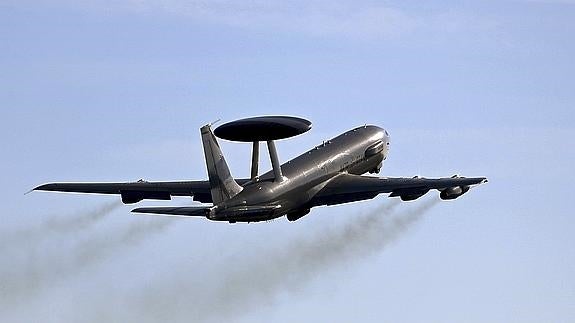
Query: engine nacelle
x=409 y=194
x=453 y=192
x=292 y=216
x=411 y=197
x=131 y=197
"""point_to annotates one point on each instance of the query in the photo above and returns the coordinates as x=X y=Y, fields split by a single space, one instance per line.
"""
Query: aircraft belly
x=247 y=213
x=249 y=217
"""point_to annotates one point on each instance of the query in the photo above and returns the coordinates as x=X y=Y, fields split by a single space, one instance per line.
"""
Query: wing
x=133 y=192
x=349 y=188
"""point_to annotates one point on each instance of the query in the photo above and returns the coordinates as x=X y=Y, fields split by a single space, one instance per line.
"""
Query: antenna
x=266 y=129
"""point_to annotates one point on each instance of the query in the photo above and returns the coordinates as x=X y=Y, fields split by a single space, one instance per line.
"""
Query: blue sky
x=117 y=89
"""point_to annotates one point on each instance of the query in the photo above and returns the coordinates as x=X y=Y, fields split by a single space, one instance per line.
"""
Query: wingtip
x=41 y=187
x=37 y=188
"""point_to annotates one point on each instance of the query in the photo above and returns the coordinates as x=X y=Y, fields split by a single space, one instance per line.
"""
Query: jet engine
x=409 y=194
x=131 y=197
x=292 y=216
x=411 y=197
x=453 y=192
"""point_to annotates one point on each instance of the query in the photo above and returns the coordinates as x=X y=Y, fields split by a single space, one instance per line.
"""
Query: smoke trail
x=39 y=272
x=98 y=249
x=25 y=252
x=81 y=220
x=305 y=259
x=259 y=280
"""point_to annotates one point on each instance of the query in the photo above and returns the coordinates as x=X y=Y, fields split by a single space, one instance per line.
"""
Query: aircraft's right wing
x=348 y=188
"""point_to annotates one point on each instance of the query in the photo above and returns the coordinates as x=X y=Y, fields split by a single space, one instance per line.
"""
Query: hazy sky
x=116 y=90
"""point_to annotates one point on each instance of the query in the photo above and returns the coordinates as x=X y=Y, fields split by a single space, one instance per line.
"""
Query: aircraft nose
x=387 y=143
x=378 y=135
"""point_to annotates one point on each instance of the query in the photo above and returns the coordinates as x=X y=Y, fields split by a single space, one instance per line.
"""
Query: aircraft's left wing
x=133 y=192
x=348 y=188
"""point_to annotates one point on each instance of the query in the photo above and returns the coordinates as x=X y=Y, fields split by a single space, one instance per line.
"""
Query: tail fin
x=223 y=186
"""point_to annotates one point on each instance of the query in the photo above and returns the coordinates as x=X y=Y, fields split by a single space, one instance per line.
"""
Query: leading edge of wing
x=183 y=188
x=116 y=188
x=176 y=187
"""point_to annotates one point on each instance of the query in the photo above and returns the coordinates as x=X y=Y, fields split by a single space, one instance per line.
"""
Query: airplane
x=328 y=174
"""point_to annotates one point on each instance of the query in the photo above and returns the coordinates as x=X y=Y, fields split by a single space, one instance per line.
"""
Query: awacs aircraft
x=328 y=174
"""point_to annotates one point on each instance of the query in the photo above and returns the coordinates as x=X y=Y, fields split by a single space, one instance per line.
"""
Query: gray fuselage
x=357 y=151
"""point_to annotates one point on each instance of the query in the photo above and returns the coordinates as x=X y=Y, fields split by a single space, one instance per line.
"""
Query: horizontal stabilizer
x=175 y=210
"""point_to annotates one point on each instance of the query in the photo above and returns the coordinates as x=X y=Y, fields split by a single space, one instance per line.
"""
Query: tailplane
x=223 y=186
x=175 y=210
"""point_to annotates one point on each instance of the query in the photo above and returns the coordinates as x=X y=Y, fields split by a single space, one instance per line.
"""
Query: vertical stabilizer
x=223 y=186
